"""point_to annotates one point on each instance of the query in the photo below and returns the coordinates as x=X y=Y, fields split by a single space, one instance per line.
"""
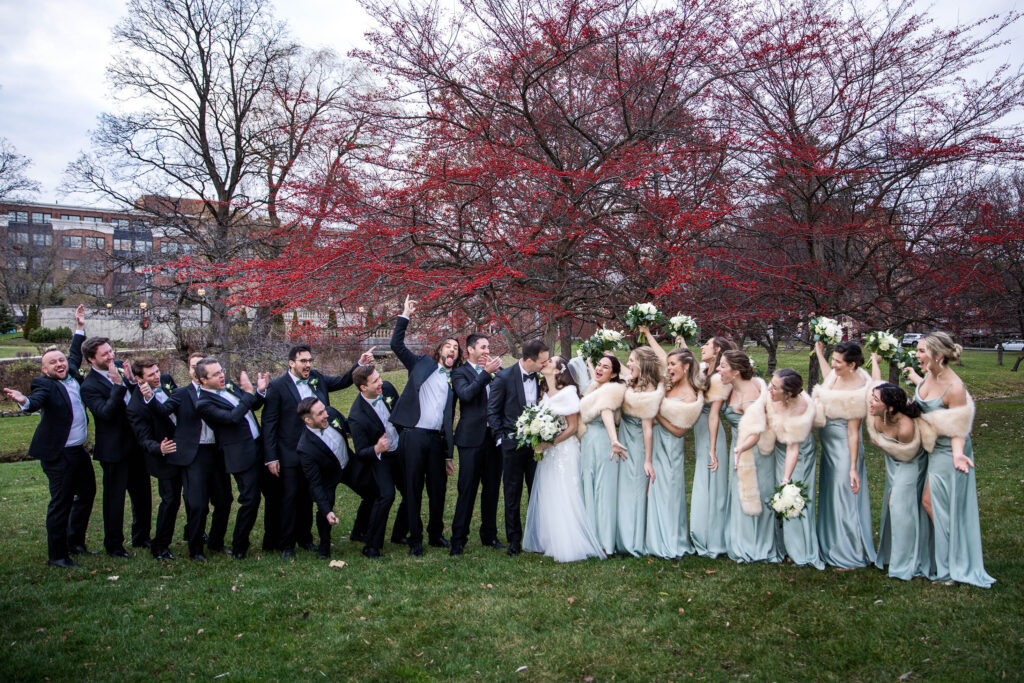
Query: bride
x=556 y=523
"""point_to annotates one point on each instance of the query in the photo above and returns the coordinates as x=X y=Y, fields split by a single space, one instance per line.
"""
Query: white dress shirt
x=333 y=440
x=233 y=400
x=302 y=386
x=206 y=436
x=529 y=386
x=433 y=397
x=384 y=413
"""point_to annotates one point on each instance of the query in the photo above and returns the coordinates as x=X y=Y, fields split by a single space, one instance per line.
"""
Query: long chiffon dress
x=668 y=528
x=904 y=532
x=599 y=471
x=631 y=522
x=709 y=497
x=750 y=538
x=799 y=536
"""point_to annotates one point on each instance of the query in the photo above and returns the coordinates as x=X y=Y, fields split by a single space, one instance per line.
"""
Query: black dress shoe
x=63 y=563
x=323 y=555
x=120 y=552
x=457 y=549
x=287 y=554
x=416 y=549
x=238 y=556
x=309 y=546
x=514 y=550
x=440 y=542
x=142 y=544
x=401 y=541
x=370 y=551
x=496 y=544
x=81 y=550
x=198 y=557
x=164 y=554
x=218 y=550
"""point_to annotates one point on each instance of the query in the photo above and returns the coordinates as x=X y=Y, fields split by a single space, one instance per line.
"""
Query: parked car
x=911 y=338
x=1012 y=345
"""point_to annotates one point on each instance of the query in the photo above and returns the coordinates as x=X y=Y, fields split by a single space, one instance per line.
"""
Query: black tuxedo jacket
x=184 y=405
x=406 y=412
x=51 y=397
x=471 y=388
x=241 y=451
x=322 y=469
x=150 y=429
x=507 y=401
x=366 y=426
x=115 y=440
x=281 y=424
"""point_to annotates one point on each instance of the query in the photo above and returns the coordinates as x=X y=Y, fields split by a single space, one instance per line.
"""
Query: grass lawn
x=484 y=615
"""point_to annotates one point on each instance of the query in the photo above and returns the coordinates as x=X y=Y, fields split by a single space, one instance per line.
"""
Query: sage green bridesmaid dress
x=904 y=533
x=800 y=534
x=668 y=529
x=956 y=526
x=631 y=521
x=600 y=478
x=844 y=517
x=750 y=538
x=709 y=497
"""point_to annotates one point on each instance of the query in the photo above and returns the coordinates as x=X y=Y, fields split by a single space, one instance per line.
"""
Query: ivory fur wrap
x=786 y=429
x=682 y=414
x=950 y=422
x=597 y=399
x=717 y=390
x=904 y=452
x=753 y=421
x=643 y=404
x=845 y=404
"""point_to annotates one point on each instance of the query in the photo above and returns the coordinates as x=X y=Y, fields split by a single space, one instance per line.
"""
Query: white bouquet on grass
x=601 y=341
x=826 y=330
x=642 y=314
x=790 y=500
x=535 y=426
x=885 y=344
x=683 y=326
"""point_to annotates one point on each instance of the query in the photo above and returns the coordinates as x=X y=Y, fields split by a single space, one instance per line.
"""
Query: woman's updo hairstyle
x=941 y=346
x=740 y=363
x=850 y=352
x=792 y=382
x=895 y=400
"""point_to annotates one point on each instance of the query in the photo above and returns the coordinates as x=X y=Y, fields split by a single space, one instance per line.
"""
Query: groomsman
x=59 y=445
x=105 y=393
x=155 y=434
x=327 y=461
x=425 y=412
x=282 y=428
x=375 y=441
x=512 y=390
x=228 y=410
x=479 y=455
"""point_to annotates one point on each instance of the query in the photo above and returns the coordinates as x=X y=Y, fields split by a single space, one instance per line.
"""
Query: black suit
x=150 y=430
x=68 y=469
x=243 y=454
x=367 y=428
x=282 y=428
x=203 y=477
x=424 y=450
x=323 y=472
x=121 y=459
x=479 y=457
x=505 y=405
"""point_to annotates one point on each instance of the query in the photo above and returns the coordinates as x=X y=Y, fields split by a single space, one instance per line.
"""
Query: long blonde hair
x=693 y=375
x=650 y=368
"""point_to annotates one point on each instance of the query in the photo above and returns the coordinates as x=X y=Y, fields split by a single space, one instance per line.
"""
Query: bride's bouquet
x=790 y=500
x=824 y=329
x=683 y=326
x=642 y=314
x=885 y=344
x=601 y=341
x=535 y=426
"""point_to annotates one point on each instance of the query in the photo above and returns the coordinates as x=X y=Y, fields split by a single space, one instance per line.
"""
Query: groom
x=512 y=390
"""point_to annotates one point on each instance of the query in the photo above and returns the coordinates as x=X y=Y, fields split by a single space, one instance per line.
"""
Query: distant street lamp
x=202 y=304
x=144 y=323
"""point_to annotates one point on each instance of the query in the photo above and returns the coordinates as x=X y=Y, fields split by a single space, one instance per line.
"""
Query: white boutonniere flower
x=336 y=423
x=388 y=401
x=167 y=387
x=229 y=386
x=313 y=382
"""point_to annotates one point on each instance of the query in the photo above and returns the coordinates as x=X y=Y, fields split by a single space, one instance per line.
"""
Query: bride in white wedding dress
x=556 y=522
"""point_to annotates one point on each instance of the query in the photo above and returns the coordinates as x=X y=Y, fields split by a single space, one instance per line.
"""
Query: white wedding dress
x=556 y=522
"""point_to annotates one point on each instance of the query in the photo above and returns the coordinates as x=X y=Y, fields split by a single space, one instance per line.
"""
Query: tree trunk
x=999 y=355
x=565 y=339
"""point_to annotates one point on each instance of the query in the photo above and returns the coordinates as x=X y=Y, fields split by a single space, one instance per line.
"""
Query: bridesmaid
x=600 y=449
x=903 y=542
x=950 y=495
x=750 y=530
x=791 y=417
x=844 y=509
x=640 y=405
x=668 y=530
x=709 y=497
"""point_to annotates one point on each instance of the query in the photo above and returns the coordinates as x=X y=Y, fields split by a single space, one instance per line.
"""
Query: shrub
x=46 y=335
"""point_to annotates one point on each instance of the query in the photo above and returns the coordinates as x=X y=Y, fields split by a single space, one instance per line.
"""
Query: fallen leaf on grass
x=337 y=564
x=113 y=578
x=522 y=668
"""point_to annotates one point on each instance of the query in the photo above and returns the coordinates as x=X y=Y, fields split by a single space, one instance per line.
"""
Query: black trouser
x=273 y=495
x=517 y=464
x=72 y=491
x=204 y=482
x=248 y=482
x=296 y=509
x=424 y=461
x=169 y=489
x=362 y=523
x=478 y=465
x=384 y=476
x=128 y=475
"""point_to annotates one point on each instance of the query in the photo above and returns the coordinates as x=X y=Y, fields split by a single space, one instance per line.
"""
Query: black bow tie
x=527 y=376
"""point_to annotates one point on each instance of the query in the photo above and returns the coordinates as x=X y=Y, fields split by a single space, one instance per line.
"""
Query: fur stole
x=717 y=390
x=753 y=421
x=643 y=404
x=786 y=429
x=597 y=399
x=845 y=404
x=948 y=422
x=564 y=402
x=904 y=452
x=682 y=414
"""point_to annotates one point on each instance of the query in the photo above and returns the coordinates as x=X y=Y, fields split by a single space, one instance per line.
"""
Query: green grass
x=484 y=615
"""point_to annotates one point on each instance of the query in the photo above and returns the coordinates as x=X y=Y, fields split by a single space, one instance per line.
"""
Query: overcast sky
x=53 y=55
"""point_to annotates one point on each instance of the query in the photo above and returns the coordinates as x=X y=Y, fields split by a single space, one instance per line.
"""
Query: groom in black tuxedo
x=512 y=390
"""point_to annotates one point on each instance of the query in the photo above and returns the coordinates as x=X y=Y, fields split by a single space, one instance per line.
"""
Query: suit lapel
x=370 y=412
x=517 y=378
x=291 y=387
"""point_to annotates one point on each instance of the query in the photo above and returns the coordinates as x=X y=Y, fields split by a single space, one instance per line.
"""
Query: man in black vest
x=59 y=445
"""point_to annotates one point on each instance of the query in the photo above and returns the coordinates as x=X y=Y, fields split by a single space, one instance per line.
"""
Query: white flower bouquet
x=683 y=326
x=642 y=314
x=535 y=426
x=790 y=500
x=905 y=358
x=824 y=329
x=601 y=341
x=885 y=344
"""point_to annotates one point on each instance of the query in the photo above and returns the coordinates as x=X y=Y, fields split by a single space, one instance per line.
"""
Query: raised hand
x=128 y=374
x=243 y=381
x=147 y=391
x=15 y=395
x=492 y=365
x=80 y=317
x=410 y=306
x=114 y=375
x=262 y=382
x=367 y=357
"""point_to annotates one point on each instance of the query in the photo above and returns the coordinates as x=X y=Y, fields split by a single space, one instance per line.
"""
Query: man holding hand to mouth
x=424 y=413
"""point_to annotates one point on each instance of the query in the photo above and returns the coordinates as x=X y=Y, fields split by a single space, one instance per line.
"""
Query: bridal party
x=585 y=455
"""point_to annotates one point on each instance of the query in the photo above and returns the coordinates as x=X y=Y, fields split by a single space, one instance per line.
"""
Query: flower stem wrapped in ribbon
x=639 y=315
x=683 y=326
x=600 y=342
x=535 y=426
x=790 y=500
x=825 y=329
x=885 y=344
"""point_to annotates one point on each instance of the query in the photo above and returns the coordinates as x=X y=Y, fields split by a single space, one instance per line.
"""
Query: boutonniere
x=336 y=423
x=229 y=386
x=167 y=387
x=81 y=372
x=388 y=401
x=313 y=382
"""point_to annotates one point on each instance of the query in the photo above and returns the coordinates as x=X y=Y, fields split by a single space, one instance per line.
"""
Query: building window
x=17 y=237
x=92 y=219
x=17 y=216
x=168 y=247
x=42 y=240
x=69 y=217
x=69 y=264
x=122 y=244
x=38 y=217
x=95 y=289
x=40 y=263
x=71 y=241
x=143 y=245
x=97 y=267
x=120 y=223
x=95 y=243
